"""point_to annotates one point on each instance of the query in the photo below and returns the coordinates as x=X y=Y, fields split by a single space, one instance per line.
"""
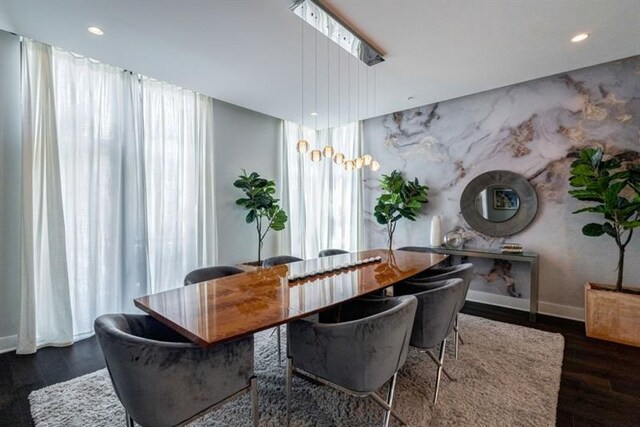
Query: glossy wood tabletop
x=230 y=307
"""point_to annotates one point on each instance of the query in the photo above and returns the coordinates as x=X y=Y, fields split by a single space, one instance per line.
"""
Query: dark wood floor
x=600 y=383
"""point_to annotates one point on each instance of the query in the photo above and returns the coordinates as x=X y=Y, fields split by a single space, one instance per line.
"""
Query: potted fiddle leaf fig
x=400 y=199
x=612 y=190
x=263 y=208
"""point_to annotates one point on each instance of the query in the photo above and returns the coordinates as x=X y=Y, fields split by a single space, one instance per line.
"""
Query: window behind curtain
x=323 y=199
x=135 y=159
x=95 y=111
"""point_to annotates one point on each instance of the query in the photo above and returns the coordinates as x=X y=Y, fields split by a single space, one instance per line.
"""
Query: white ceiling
x=249 y=52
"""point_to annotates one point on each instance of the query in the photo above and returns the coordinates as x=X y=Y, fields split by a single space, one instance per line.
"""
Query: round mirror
x=499 y=203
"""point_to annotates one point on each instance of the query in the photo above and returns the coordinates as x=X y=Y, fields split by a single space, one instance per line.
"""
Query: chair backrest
x=361 y=354
x=210 y=273
x=414 y=249
x=436 y=312
x=162 y=379
x=329 y=252
x=279 y=260
x=460 y=271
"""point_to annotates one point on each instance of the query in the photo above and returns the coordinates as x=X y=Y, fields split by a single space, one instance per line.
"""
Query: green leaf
x=628 y=225
x=596 y=158
x=587 y=195
x=595 y=209
x=593 y=230
x=583 y=170
x=608 y=229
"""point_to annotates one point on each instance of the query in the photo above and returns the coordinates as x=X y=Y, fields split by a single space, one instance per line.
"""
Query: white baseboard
x=550 y=309
x=8 y=344
x=499 y=300
x=564 y=311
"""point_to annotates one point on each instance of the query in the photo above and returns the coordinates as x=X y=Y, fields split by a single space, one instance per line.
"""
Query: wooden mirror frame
x=526 y=213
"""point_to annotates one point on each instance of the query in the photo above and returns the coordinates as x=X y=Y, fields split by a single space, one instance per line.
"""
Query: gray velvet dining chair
x=210 y=273
x=272 y=262
x=330 y=252
x=163 y=380
x=439 y=275
x=279 y=260
x=435 y=318
x=355 y=348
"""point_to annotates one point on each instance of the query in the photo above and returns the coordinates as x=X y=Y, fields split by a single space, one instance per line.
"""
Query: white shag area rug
x=507 y=375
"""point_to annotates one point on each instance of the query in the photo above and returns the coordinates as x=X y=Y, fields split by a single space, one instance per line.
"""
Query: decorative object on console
x=613 y=185
x=511 y=248
x=261 y=204
x=436 y=238
x=454 y=240
x=400 y=199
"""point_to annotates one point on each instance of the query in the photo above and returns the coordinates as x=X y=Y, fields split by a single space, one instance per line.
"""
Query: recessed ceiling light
x=314 y=114
x=409 y=98
x=95 y=30
x=580 y=37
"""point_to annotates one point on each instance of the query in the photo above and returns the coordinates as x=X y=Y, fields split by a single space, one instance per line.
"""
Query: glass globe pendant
x=374 y=165
x=315 y=155
x=358 y=162
x=338 y=159
x=349 y=165
x=367 y=158
x=302 y=146
x=328 y=151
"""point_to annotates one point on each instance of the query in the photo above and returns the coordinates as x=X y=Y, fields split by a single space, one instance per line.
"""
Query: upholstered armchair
x=210 y=273
x=435 y=318
x=330 y=252
x=433 y=276
x=162 y=379
x=355 y=348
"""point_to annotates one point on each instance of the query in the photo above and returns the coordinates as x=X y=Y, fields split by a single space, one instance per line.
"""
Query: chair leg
x=130 y=422
x=254 y=401
x=289 y=379
x=392 y=389
x=456 y=336
x=440 y=368
x=279 y=350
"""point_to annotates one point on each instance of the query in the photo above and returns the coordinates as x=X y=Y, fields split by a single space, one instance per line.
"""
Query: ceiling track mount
x=328 y=23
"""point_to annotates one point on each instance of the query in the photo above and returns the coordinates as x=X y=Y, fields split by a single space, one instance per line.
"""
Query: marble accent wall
x=534 y=129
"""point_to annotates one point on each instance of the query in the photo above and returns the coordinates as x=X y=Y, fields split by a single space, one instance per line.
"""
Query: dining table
x=227 y=308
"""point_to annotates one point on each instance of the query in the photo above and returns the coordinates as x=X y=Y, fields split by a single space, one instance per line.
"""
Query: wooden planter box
x=612 y=316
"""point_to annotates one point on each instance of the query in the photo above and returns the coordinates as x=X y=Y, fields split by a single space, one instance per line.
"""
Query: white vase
x=436 y=231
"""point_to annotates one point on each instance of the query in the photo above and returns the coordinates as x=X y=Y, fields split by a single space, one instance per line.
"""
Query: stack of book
x=511 y=248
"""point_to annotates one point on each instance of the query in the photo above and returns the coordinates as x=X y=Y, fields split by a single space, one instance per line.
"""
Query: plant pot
x=249 y=265
x=612 y=316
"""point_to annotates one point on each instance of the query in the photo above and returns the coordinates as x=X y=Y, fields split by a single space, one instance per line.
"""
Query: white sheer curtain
x=118 y=191
x=98 y=121
x=178 y=139
x=45 y=312
x=323 y=200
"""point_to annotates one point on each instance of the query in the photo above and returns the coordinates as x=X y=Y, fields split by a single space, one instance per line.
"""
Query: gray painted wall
x=250 y=140
x=534 y=129
x=10 y=160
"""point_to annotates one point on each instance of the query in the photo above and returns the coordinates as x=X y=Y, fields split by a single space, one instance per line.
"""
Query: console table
x=529 y=257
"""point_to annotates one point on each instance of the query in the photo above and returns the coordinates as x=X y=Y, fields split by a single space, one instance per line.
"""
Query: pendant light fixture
x=303 y=144
x=316 y=15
